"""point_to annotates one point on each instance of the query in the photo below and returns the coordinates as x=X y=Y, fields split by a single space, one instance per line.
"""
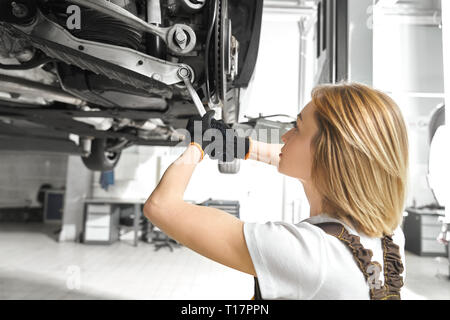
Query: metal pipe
x=154 y=12
x=26 y=87
x=154 y=16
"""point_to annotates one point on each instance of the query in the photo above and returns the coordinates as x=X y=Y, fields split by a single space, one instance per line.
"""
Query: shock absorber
x=154 y=16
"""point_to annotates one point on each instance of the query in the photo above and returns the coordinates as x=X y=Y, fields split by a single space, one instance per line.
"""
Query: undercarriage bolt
x=183 y=73
x=19 y=10
x=181 y=38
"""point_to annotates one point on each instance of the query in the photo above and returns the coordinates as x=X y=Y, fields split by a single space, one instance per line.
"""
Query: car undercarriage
x=96 y=77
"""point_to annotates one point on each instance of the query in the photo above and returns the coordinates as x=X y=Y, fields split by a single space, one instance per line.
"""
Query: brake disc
x=221 y=39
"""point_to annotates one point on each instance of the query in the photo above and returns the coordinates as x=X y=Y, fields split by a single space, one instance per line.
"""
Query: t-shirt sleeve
x=289 y=259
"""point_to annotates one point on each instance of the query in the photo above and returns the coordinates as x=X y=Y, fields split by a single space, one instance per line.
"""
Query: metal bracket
x=43 y=29
x=169 y=34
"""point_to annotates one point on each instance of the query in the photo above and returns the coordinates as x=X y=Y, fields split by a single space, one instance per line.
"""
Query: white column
x=446 y=55
x=78 y=187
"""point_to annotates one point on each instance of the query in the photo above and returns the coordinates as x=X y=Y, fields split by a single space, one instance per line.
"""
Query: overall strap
x=393 y=266
x=257 y=291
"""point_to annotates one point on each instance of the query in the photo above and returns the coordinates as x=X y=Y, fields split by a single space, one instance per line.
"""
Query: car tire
x=232 y=167
x=99 y=159
x=41 y=193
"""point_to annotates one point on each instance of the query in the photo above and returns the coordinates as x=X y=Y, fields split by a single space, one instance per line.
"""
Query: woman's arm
x=265 y=152
x=210 y=232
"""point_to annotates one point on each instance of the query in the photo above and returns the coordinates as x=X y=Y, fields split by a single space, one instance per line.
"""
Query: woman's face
x=296 y=154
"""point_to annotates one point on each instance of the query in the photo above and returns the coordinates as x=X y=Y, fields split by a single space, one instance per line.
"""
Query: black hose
x=33 y=63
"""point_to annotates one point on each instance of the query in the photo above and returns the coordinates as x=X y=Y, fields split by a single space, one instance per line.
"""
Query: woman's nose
x=285 y=136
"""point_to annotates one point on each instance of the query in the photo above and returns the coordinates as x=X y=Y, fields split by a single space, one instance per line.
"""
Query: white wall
x=286 y=68
x=275 y=88
x=408 y=65
x=446 y=47
x=360 y=41
x=22 y=173
x=135 y=175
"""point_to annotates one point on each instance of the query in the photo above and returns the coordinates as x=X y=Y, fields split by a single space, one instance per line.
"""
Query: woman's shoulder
x=287 y=231
x=397 y=235
x=317 y=220
x=306 y=231
x=279 y=250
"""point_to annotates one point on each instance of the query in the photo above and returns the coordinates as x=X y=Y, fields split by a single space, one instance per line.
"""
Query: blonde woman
x=349 y=149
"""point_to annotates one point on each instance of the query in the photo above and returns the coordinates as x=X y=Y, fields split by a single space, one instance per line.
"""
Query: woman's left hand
x=226 y=146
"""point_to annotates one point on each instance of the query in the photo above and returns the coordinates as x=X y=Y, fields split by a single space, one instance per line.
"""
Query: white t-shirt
x=301 y=261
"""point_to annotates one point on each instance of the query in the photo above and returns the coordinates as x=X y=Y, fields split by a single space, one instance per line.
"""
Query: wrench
x=185 y=75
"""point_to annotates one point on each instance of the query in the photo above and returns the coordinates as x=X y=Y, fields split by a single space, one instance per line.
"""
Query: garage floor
x=34 y=266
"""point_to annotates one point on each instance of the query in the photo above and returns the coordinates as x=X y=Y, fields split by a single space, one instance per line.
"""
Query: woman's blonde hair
x=360 y=162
